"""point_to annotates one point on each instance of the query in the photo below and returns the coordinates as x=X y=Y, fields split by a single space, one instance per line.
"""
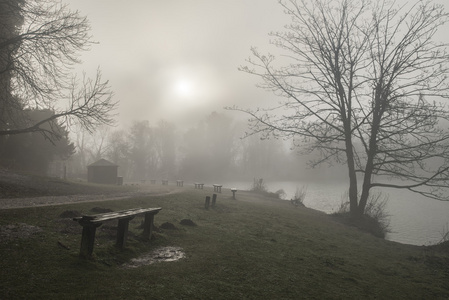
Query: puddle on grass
x=158 y=255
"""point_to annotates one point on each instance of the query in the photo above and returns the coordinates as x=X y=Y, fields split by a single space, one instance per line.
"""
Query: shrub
x=445 y=237
x=281 y=194
x=300 y=195
x=375 y=220
x=259 y=185
x=260 y=188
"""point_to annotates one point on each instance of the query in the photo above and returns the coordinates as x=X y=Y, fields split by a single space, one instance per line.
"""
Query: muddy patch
x=168 y=225
x=164 y=254
x=187 y=222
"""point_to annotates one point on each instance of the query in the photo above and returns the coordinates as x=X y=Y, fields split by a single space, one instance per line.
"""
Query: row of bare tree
x=210 y=150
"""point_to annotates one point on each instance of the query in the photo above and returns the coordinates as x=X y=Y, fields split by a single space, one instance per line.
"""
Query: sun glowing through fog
x=184 y=89
x=187 y=90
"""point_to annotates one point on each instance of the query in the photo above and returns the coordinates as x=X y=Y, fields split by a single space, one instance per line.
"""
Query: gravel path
x=9 y=203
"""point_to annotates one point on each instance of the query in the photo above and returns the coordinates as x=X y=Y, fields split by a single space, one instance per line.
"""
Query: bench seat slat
x=90 y=217
x=124 y=215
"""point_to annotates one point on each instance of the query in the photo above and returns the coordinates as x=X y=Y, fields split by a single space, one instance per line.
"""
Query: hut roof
x=102 y=163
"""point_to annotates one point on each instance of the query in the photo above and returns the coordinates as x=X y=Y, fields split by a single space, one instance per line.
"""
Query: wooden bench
x=164 y=182
x=199 y=185
x=217 y=188
x=91 y=222
x=179 y=182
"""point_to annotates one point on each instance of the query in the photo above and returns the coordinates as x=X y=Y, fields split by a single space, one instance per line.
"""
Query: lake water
x=414 y=219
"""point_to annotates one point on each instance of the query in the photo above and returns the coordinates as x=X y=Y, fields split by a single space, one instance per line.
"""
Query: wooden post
x=214 y=199
x=233 y=190
x=148 y=226
x=206 y=204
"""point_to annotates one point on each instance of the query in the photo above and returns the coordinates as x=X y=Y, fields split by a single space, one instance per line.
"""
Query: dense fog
x=215 y=148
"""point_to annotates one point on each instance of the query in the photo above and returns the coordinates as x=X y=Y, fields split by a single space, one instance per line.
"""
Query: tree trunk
x=377 y=116
x=352 y=185
x=352 y=174
x=365 y=191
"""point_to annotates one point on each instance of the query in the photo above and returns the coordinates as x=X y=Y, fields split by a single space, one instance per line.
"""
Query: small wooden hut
x=102 y=171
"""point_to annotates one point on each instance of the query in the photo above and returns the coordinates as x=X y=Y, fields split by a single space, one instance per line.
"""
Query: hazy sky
x=178 y=59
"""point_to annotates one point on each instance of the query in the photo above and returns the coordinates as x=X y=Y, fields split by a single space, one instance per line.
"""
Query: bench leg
x=88 y=240
x=122 y=232
x=148 y=226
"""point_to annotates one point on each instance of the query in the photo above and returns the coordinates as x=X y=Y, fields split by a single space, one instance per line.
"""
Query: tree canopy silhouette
x=364 y=84
x=40 y=42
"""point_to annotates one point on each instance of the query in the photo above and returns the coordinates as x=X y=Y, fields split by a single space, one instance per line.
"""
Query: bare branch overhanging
x=40 y=42
x=363 y=80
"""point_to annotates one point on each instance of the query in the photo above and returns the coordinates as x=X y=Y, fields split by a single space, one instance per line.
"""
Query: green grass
x=239 y=250
x=19 y=185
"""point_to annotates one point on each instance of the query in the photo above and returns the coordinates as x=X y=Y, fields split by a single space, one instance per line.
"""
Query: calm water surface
x=414 y=219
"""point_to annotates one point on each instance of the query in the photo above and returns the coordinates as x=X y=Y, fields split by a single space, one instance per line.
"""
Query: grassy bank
x=17 y=185
x=250 y=248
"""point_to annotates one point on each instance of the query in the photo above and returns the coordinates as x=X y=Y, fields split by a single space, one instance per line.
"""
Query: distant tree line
x=211 y=150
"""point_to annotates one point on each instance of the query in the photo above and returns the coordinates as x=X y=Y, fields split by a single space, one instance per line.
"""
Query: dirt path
x=61 y=200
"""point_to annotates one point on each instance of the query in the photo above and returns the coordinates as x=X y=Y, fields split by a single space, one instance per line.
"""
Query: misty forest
x=353 y=93
x=56 y=124
x=214 y=150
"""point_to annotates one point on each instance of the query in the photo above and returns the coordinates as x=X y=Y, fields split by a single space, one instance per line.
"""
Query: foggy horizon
x=178 y=60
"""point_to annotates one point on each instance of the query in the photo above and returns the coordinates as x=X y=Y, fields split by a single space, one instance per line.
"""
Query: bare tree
x=40 y=42
x=98 y=143
x=360 y=83
x=118 y=151
x=142 y=153
x=164 y=145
